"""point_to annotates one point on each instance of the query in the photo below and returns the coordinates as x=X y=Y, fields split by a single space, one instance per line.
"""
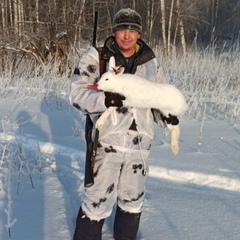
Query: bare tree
x=163 y=24
x=77 y=27
x=37 y=19
x=3 y=25
x=181 y=29
x=214 y=17
x=15 y=17
x=169 y=28
x=150 y=18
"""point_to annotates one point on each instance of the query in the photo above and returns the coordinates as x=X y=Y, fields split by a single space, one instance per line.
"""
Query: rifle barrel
x=95 y=28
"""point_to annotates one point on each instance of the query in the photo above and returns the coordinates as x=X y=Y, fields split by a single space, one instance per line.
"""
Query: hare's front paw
x=99 y=124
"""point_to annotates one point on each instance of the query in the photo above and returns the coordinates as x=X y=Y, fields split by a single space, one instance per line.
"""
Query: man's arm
x=87 y=72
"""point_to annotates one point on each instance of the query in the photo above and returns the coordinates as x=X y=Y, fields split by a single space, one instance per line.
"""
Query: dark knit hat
x=127 y=18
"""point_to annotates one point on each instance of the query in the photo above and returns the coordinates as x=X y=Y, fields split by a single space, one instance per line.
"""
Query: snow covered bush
x=210 y=83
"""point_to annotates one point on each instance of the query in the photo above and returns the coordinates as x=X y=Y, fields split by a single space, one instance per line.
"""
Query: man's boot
x=126 y=225
x=87 y=229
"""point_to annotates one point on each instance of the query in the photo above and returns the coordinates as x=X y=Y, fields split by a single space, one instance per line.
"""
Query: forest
x=48 y=30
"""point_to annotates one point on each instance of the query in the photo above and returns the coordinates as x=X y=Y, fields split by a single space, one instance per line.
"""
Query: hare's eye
x=106 y=79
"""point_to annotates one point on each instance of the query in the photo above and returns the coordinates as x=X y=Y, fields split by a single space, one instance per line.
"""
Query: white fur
x=142 y=93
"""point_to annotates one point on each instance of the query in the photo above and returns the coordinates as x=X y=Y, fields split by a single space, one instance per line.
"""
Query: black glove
x=113 y=99
x=170 y=120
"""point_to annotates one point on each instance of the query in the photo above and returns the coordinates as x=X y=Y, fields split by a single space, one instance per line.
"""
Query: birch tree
x=78 y=25
x=37 y=15
x=169 y=28
x=133 y=4
x=10 y=13
x=163 y=24
x=181 y=29
x=21 y=20
x=150 y=18
x=214 y=17
x=15 y=17
x=4 y=17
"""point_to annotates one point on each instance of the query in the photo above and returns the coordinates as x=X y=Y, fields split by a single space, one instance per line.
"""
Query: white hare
x=142 y=93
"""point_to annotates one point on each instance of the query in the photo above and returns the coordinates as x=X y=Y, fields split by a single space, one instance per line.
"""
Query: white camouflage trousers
x=120 y=174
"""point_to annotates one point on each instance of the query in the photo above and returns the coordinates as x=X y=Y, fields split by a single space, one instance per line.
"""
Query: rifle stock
x=91 y=147
x=89 y=178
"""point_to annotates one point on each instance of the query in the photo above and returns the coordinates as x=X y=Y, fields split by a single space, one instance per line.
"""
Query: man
x=122 y=155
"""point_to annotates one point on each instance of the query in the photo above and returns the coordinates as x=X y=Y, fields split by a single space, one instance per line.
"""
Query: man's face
x=126 y=40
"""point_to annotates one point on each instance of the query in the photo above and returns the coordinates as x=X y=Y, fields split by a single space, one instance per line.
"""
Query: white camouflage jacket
x=93 y=102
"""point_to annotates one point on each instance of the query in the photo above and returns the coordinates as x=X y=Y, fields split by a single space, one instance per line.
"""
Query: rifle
x=91 y=147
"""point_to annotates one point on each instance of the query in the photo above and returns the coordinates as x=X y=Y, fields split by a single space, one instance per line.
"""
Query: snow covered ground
x=192 y=196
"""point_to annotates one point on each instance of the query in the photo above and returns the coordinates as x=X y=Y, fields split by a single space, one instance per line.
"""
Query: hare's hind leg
x=175 y=134
x=103 y=118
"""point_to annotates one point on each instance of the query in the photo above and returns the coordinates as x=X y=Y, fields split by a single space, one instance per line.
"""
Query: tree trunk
x=21 y=20
x=15 y=17
x=133 y=4
x=36 y=16
x=10 y=12
x=76 y=42
x=4 y=19
x=163 y=23
x=150 y=19
x=214 y=17
x=169 y=28
x=181 y=29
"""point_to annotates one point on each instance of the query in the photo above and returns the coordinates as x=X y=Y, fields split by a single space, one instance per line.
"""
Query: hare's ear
x=118 y=70
x=121 y=70
x=112 y=63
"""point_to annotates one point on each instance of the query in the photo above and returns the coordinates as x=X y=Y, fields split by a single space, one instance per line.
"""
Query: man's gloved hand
x=171 y=119
x=113 y=99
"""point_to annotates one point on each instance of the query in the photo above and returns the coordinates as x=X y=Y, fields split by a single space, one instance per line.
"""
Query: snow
x=192 y=196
